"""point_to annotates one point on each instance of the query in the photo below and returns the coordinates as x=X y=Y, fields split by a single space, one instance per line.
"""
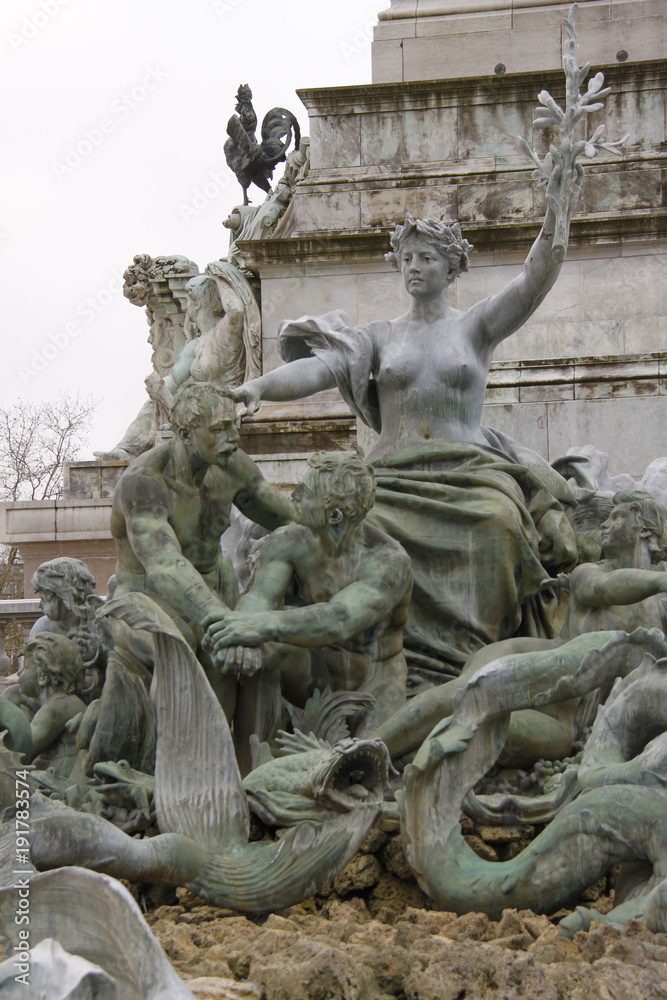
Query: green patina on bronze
x=602 y=827
x=201 y=807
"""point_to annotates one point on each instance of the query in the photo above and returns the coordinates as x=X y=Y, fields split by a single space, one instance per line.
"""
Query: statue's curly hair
x=192 y=400
x=350 y=484
x=67 y=577
x=58 y=657
x=447 y=240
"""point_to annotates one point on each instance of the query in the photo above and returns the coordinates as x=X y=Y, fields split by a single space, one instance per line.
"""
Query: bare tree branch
x=35 y=442
x=36 y=439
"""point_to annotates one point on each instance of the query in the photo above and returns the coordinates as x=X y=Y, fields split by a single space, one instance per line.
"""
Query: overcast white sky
x=143 y=90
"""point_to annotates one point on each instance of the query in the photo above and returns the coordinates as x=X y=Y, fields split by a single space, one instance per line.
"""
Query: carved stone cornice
x=434 y=8
x=596 y=378
x=349 y=247
x=371 y=245
x=417 y=94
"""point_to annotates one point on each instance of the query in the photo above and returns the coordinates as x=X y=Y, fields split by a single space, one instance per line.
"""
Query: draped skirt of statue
x=466 y=516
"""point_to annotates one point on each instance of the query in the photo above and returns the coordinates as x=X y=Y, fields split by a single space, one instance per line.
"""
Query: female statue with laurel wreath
x=478 y=515
x=448 y=489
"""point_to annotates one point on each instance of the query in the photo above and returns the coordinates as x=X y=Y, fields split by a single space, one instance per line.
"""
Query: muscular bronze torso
x=198 y=515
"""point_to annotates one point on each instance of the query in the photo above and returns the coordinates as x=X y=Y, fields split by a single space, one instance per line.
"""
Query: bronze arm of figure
x=354 y=582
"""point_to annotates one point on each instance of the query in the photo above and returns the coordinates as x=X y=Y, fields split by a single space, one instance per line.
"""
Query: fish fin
x=198 y=789
x=298 y=742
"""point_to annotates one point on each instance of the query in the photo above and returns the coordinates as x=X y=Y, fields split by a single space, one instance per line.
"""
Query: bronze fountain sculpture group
x=427 y=568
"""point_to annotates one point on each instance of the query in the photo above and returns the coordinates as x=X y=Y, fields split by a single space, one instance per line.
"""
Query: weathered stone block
x=79 y=519
x=380 y=296
x=387 y=60
x=302 y=295
x=334 y=211
x=387 y=206
x=502 y=394
x=641 y=334
x=615 y=288
x=335 y=141
x=419 y=135
x=27 y=520
x=459 y=23
x=613 y=191
x=491 y=129
x=472 y=38
x=509 y=198
x=435 y=57
x=612 y=426
x=524 y=421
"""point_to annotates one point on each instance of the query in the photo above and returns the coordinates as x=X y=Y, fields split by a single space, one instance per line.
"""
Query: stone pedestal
x=45 y=529
x=434 y=39
x=616 y=403
x=75 y=525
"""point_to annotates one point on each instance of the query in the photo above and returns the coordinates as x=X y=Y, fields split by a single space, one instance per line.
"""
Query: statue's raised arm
x=497 y=317
x=562 y=173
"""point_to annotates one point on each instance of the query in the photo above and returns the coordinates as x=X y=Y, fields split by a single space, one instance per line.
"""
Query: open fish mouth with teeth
x=357 y=774
x=315 y=779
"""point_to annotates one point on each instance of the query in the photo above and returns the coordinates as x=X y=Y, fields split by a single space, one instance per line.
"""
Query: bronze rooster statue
x=253 y=162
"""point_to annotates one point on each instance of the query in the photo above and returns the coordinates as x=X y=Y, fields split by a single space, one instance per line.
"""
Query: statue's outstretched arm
x=274 y=572
x=231 y=302
x=594 y=588
x=295 y=380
